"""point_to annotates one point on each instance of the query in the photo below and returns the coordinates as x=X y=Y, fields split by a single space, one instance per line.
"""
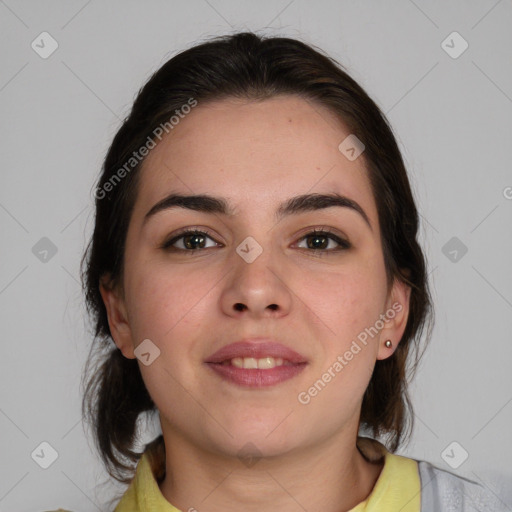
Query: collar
x=398 y=482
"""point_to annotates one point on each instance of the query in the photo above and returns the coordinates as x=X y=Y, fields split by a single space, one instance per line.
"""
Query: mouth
x=251 y=363
x=256 y=363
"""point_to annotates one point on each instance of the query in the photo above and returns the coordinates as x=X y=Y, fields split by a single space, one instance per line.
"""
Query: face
x=249 y=274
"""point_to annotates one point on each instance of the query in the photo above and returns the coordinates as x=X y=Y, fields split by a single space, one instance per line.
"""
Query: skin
x=256 y=155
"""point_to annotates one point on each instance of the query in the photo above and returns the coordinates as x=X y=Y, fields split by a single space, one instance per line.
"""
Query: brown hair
x=245 y=65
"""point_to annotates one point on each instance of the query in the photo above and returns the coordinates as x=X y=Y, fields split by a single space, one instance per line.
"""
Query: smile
x=256 y=373
x=256 y=363
x=263 y=363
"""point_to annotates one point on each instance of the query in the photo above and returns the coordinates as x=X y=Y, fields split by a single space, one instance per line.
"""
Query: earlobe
x=117 y=317
x=397 y=314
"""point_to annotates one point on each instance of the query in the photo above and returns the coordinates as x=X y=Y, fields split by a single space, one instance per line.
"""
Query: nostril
x=239 y=307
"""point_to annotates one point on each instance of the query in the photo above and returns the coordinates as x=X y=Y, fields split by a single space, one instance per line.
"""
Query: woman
x=255 y=261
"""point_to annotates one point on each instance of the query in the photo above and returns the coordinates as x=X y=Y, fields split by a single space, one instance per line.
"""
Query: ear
x=117 y=317
x=397 y=313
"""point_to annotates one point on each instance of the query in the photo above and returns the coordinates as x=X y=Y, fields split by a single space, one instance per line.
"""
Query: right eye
x=190 y=240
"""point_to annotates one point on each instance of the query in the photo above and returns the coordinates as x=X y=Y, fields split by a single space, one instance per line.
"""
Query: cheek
x=168 y=306
x=347 y=301
x=165 y=299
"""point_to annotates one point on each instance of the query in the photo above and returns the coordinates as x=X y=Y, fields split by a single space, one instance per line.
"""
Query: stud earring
x=388 y=344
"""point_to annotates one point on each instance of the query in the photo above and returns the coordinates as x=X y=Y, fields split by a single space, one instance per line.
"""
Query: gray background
x=452 y=117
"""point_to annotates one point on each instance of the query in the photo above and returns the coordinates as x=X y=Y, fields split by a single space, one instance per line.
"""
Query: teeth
x=253 y=363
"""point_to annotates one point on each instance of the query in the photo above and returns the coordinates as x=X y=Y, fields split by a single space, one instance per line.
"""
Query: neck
x=332 y=477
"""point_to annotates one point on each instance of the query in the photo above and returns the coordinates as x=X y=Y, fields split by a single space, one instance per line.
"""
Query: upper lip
x=257 y=348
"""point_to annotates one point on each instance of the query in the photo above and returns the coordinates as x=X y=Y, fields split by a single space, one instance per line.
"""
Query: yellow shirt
x=397 y=488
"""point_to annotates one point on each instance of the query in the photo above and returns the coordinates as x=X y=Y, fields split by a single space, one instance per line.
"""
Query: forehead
x=256 y=154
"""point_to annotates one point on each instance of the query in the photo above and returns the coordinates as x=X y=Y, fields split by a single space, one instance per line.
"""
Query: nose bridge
x=253 y=262
x=256 y=283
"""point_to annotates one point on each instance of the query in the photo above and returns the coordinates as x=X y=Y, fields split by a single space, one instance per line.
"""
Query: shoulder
x=445 y=491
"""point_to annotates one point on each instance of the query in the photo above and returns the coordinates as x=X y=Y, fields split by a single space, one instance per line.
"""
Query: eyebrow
x=295 y=205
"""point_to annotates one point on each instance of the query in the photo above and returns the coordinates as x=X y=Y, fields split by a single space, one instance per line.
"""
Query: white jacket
x=442 y=491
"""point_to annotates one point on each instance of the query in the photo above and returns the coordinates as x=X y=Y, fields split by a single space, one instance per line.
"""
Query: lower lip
x=256 y=378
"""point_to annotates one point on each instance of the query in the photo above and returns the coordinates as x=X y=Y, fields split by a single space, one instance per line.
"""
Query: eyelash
x=343 y=244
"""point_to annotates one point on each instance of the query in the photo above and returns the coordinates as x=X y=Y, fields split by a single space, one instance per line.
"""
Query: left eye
x=320 y=240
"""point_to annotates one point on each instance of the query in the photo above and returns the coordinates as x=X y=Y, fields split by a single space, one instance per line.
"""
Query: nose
x=258 y=289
